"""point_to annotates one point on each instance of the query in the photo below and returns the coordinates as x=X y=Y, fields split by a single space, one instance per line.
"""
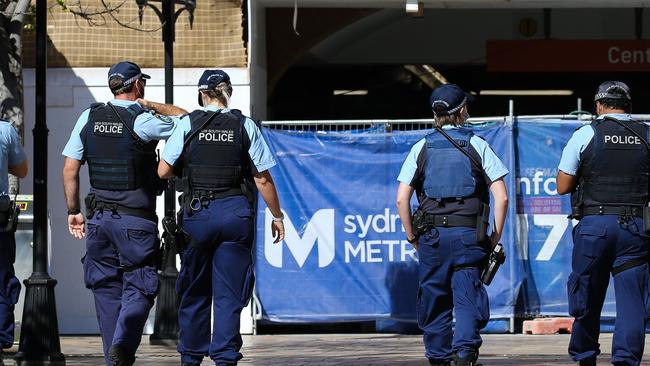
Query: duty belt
x=613 y=210
x=119 y=209
x=200 y=198
x=450 y=220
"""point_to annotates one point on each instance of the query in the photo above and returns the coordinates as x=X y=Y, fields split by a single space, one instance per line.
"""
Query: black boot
x=468 y=360
x=119 y=356
x=590 y=362
x=438 y=363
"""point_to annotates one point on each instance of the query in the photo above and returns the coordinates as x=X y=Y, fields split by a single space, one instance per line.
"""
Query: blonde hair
x=222 y=92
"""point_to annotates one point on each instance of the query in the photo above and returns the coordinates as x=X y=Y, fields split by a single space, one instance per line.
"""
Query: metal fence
x=389 y=125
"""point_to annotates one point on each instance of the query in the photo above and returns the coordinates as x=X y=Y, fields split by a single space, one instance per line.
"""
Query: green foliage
x=30 y=18
x=62 y=4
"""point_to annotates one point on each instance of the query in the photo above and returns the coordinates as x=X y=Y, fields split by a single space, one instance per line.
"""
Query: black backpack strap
x=135 y=136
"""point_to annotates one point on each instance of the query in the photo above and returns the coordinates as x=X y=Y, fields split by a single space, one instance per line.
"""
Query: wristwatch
x=278 y=219
x=412 y=241
x=74 y=211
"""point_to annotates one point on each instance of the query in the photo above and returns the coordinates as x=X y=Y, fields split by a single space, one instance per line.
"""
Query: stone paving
x=349 y=349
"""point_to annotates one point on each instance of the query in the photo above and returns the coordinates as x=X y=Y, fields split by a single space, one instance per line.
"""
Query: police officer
x=221 y=156
x=14 y=161
x=452 y=170
x=605 y=168
x=118 y=141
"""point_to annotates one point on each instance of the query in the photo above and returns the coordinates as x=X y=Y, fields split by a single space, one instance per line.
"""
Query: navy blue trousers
x=601 y=243
x=450 y=281
x=216 y=269
x=9 y=289
x=118 y=268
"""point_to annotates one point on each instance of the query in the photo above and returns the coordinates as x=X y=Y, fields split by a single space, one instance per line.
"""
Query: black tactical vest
x=452 y=184
x=215 y=159
x=122 y=167
x=614 y=166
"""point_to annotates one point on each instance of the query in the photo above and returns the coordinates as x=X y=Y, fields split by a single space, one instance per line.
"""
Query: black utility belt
x=213 y=195
x=114 y=208
x=450 y=220
x=199 y=199
x=613 y=210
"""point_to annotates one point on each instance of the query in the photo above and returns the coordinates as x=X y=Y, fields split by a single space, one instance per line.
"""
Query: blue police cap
x=613 y=90
x=449 y=96
x=127 y=72
x=210 y=79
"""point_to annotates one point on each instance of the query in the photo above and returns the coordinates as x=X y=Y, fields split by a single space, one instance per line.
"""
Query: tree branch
x=127 y=25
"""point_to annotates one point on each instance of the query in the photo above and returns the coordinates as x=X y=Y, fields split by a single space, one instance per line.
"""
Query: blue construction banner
x=345 y=256
x=544 y=231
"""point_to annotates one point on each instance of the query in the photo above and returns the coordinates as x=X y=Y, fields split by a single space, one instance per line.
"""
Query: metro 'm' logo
x=319 y=232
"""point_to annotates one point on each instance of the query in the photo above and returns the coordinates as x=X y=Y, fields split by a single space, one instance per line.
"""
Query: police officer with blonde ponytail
x=221 y=157
x=452 y=172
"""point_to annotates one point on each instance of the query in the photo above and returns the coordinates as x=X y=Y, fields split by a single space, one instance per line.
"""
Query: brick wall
x=216 y=40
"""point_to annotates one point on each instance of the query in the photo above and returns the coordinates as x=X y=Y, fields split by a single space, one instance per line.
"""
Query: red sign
x=568 y=56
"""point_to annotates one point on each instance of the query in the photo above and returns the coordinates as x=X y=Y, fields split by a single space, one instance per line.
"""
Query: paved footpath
x=350 y=349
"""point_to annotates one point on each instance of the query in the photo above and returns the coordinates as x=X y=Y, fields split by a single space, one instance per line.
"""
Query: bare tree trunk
x=11 y=71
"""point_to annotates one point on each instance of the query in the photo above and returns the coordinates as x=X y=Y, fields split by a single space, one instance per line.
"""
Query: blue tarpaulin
x=345 y=256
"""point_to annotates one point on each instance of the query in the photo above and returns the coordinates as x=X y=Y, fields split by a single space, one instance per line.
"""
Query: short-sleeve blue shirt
x=492 y=165
x=148 y=125
x=570 y=161
x=259 y=152
x=12 y=153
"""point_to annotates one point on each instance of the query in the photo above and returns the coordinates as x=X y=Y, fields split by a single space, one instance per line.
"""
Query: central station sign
x=568 y=56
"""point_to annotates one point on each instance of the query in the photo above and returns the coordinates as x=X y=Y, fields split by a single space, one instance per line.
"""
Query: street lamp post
x=166 y=324
x=39 y=336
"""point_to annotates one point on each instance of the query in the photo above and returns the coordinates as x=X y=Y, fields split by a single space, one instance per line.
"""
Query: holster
x=419 y=222
x=91 y=205
x=495 y=260
x=482 y=223
x=576 y=204
x=8 y=215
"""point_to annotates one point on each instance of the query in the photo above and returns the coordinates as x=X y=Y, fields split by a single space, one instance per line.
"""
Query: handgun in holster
x=419 y=222
x=8 y=215
x=9 y=212
x=170 y=240
x=495 y=260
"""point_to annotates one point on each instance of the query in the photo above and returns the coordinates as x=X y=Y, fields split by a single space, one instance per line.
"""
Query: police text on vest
x=113 y=128
x=622 y=140
x=210 y=135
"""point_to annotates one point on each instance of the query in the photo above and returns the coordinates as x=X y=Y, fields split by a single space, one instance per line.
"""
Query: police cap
x=210 y=79
x=613 y=90
x=127 y=72
x=449 y=96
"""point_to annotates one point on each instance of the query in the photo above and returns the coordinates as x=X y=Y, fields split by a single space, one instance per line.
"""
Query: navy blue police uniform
x=453 y=192
x=118 y=141
x=215 y=152
x=13 y=154
x=611 y=160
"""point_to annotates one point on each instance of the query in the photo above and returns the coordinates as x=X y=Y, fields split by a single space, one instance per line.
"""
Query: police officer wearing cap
x=605 y=167
x=452 y=172
x=118 y=141
x=222 y=157
x=12 y=160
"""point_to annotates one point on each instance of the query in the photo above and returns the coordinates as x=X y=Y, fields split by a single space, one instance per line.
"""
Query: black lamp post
x=39 y=336
x=166 y=324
